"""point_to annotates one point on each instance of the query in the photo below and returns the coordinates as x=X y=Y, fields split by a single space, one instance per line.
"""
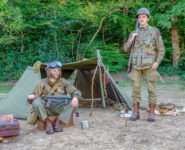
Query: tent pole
x=101 y=88
x=100 y=77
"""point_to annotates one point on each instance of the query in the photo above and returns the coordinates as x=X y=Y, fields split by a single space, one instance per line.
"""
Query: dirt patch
x=108 y=131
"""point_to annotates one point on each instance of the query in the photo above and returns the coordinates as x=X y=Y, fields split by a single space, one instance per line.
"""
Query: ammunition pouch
x=147 y=60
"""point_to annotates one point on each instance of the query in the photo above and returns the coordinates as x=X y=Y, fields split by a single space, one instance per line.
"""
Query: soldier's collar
x=145 y=28
x=51 y=83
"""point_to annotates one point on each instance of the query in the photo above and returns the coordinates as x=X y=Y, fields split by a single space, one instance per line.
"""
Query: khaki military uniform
x=45 y=87
x=148 y=49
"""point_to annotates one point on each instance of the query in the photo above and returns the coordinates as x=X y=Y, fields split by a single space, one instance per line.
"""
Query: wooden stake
x=126 y=121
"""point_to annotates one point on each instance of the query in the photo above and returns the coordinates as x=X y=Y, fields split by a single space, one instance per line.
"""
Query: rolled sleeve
x=160 y=47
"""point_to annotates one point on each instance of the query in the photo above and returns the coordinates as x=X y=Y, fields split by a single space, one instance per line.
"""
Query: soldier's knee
x=151 y=91
x=36 y=102
x=137 y=89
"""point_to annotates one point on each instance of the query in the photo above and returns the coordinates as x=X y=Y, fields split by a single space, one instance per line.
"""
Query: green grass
x=170 y=83
x=5 y=89
x=183 y=88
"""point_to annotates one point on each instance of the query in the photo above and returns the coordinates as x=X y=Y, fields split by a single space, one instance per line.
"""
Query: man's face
x=143 y=19
x=55 y=73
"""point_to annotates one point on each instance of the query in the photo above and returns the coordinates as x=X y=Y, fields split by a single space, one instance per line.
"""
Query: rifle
x=132 y=50
x=57 y=99
x=131 y=55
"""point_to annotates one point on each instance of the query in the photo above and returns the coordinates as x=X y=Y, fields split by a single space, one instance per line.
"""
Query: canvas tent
x=103 y=88
x=15 y=101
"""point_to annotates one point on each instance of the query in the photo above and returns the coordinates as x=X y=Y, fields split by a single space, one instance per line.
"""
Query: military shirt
x=148 y=47
x=62 y=86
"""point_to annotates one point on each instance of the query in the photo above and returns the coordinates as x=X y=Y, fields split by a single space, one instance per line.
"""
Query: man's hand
x=74 y=102
x=132 y=38
x=32 y=96
x=155 y=65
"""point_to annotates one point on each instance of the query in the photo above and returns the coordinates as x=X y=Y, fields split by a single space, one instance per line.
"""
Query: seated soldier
x=54 y=85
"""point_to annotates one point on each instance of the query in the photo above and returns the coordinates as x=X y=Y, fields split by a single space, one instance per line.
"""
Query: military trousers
x=136 y=77
x=63 y=111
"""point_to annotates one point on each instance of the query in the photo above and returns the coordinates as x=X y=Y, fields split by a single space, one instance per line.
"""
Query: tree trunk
x=175 y=45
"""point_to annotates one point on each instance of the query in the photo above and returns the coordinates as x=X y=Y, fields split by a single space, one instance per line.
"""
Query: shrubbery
x=63 y=30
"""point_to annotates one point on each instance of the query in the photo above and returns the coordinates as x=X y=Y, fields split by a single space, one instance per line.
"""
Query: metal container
x=122 y=114
x=130 y=112
x=85 y=124
x=126 y=115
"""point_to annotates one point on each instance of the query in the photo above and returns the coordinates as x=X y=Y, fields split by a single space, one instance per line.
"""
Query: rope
x=161 y=78
x=116 y=95
x=113 y=88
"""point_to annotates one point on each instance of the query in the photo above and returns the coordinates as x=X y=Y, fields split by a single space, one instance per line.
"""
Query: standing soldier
x=146 y=46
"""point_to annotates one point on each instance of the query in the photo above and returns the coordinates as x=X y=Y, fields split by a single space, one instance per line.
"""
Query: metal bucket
x=85 y=124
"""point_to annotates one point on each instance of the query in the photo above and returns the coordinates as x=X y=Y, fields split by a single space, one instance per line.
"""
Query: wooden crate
x=42 y=124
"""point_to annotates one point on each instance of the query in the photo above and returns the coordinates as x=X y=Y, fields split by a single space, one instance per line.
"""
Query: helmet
x=143 y=11
x=54 y=64
x=36 y=66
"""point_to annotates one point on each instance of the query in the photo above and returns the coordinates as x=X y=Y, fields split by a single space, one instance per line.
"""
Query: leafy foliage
x=65 y=30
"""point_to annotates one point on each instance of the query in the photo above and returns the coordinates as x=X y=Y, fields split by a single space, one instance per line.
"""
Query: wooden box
x=9 y=128
x=42 y=124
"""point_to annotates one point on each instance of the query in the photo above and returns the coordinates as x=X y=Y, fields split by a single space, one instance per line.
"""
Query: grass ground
x=5 y=89
x=170 y=82
x=6 y=86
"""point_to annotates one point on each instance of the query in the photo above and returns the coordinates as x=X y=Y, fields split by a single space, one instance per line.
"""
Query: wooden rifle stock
x=132 y=50
x=131 y=55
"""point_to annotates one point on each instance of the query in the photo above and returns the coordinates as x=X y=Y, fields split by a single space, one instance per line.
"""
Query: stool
x=42 y=124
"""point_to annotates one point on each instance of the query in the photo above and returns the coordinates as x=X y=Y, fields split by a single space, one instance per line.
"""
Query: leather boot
x=136 y=115
x=57 y=127
x=151 y=116
x=49 y=127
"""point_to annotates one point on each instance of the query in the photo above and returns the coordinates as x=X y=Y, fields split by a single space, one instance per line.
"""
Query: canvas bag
x=32 y=117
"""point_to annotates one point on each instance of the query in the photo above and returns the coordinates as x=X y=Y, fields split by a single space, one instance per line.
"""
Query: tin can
x=127 y=115
x=130 y=112
x=85 y=124
x=122 y=114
